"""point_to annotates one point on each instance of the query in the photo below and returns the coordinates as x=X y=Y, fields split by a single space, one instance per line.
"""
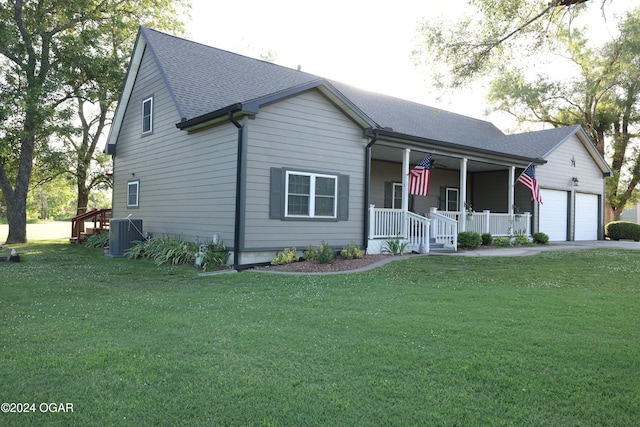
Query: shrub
x=540 y=237
x=287 y=256
x=174 y=251
x=323 y=254
x=469 y=239
x=502 y=242
x=521 y=241
x=623 y=230
x=352 y=252
x=99 y=240
x=487 y=239
x=394 y=246
x=216 y=257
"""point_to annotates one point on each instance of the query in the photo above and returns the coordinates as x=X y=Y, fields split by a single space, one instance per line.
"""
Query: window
x=147 y=115
x=311 y=195
x=133 y=191
x=397 y=196
x=308 y=196
x=451 y=199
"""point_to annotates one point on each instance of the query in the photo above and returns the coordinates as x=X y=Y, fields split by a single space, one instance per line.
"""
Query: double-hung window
x=133 y=193
x=311 y=195
x=147 y=116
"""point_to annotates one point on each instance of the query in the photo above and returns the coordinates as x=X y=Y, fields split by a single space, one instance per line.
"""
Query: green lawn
x=549 y=340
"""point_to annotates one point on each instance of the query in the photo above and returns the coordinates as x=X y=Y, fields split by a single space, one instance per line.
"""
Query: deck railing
x=99 y=217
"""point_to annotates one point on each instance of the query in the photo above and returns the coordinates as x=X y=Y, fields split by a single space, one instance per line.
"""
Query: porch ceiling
x=395 y=154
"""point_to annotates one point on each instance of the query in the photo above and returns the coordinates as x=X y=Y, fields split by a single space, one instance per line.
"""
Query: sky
x=364 y=43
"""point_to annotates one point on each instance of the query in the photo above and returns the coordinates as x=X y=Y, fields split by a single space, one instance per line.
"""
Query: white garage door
x=553 y=214
x=586 y=216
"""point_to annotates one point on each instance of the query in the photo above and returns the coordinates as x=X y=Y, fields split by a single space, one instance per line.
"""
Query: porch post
x=512 y=185
x=405 y=179
x=405 y=190
x=462 y=223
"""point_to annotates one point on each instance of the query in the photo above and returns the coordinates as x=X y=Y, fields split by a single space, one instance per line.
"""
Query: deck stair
x=79 y=230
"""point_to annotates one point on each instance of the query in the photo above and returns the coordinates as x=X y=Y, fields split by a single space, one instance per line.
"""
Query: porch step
x=440 y=248
x=433 y=247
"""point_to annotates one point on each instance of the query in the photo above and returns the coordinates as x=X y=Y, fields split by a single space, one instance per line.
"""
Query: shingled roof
x=203 y=80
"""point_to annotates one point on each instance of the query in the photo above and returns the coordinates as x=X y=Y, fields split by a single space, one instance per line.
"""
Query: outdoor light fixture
x=575 y=181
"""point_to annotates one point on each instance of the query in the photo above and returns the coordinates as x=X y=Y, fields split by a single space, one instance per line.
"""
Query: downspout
x=236 y=229
x=367 y=184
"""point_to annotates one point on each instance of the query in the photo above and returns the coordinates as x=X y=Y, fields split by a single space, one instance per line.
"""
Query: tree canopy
x=497 y=31
x=54 y=55
x=597 y=85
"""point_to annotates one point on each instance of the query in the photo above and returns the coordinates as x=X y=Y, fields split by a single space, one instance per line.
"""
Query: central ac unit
x=123 y=233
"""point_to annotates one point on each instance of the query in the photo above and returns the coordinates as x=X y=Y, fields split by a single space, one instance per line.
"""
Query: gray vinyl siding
x=556 y=174
x=187 y=182
x=305 y=133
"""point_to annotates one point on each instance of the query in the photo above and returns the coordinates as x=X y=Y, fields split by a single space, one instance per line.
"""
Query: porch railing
x=444 y=229
x=496 y=224
x=418 y=232
x=385 y=223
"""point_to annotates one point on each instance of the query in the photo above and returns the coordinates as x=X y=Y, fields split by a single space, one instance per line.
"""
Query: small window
x=452 y=197
x=147 y=115
x=133 y=192
x=311 y=195
x=397 y=196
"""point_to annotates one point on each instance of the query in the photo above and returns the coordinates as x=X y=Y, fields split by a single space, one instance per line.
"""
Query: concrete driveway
x=549 y=247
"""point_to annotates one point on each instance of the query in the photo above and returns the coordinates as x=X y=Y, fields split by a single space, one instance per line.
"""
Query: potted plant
x=517 y=215
x=469 y=211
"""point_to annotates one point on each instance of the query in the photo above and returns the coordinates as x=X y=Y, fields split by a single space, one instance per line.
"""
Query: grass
x=549 y=340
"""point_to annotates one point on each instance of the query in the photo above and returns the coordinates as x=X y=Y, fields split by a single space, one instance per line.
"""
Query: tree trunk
x=83 y=197
x=17 y=219
x=16 y=198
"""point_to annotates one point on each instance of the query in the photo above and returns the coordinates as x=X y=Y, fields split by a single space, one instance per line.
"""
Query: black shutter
x=276 y=204
x=388 y=194
x=343 y=197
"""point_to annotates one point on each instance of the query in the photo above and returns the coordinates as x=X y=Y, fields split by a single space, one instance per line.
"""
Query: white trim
x=144 y=102
x=311 y=195
x=132 y=72
x=137 y=194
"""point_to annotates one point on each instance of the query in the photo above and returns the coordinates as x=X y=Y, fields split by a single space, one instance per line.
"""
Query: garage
x=554 y=214
x=586 y=216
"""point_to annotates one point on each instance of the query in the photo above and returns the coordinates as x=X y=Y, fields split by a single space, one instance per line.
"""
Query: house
x=207 y=142
x=631 y=214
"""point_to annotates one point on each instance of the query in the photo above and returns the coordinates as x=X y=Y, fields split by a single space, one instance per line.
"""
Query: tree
x=604 y=98
x=97 y=80
x=478 y=43
x=49 y=54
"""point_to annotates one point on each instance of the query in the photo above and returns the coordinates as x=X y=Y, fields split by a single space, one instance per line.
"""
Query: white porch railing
x=444 y=229
x=441 y=226
x=496 y=224
x=385 y=223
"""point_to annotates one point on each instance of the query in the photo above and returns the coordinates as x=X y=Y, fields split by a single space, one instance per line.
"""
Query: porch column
x=405 y=179
x=462 y=222
x=405 y=189
x=512 y=186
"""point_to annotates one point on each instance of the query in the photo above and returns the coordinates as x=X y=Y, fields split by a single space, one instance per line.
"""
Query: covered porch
x=468 y=192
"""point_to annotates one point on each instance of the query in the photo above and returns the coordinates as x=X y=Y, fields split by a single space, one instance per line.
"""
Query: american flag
x=419 y=177
x=528 y=179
